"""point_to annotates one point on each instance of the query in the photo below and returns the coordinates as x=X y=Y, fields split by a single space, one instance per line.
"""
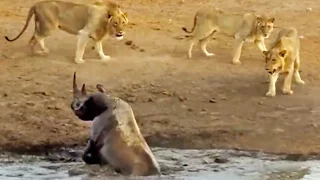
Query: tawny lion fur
x=284 y=58
x=247 y=27
x=96 y=21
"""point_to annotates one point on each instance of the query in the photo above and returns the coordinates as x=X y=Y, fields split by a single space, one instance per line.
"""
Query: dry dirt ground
x=179 y=102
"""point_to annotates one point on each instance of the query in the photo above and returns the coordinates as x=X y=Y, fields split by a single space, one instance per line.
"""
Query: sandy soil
x=179 y=102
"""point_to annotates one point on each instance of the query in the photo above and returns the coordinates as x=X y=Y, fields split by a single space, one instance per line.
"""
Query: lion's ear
x=109 y=15
x=265 y=53
x=271 y=20
x=259 y=19
x=283 y=53
x=125 y=14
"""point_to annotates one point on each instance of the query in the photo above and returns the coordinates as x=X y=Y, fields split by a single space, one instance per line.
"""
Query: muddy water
x=175 y=164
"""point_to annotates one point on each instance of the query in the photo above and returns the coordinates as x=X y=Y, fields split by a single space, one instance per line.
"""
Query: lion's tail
x=30 y=14
x=194 y=25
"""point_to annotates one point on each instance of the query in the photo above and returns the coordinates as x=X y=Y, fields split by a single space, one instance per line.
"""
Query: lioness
x=248 y=27
x=95 y=21
x=283 y=57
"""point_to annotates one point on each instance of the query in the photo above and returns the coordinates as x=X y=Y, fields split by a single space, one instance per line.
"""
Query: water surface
x=175 y=164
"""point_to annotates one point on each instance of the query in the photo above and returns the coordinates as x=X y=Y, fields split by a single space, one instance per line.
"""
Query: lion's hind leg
x=204 y=42
x=44 y=26
x=191 y=44
x=44 y=50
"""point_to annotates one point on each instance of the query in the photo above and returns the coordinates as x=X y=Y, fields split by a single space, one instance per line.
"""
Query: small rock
x=41 y=93
x=296 y=157
x=260 y=103
x=212 y=100
x=54 y=107
x=182 y=98
x=223 y=97
x=156 y=28
x=76 y=172
x=193 y=170
x=30 y=103
x=134 y=47
x=129 y=42
x=313 y=125
x=278 y=130
x=220 y=160
x=5 y=95
x=309 y=9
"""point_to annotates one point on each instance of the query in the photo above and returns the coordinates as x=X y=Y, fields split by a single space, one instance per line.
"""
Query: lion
x=96 y=21
x=283 y=58
x=243 y=27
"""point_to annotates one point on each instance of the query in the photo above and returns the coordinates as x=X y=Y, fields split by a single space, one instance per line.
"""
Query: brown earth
x=179 y=102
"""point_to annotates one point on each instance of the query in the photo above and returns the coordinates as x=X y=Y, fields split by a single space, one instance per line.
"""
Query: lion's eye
x=273 y=60
x=262 y=26
x=269 y=26
x=115 y=23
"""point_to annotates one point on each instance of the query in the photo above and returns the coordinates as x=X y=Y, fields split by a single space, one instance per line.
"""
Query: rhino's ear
x=76 y=91
x=83 y=90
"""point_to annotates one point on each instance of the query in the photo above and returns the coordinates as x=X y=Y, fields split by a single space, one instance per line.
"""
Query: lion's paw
x=270 y=94
x=287 y=91
x=236 y=62
x=79 y=61
x=105 y=58
x=300 y=82
x=210 y=54
x=41 y=53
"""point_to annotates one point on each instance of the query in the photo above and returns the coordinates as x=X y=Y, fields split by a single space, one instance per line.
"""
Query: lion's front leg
x=81 y=46
x=237 y=51
x=261 y=45
x=99 y=48
x=287 y=83
x=272 y=84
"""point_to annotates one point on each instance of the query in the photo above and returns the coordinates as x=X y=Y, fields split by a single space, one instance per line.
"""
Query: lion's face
x=117 y=24
x=265 y=26
x=275 y=60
